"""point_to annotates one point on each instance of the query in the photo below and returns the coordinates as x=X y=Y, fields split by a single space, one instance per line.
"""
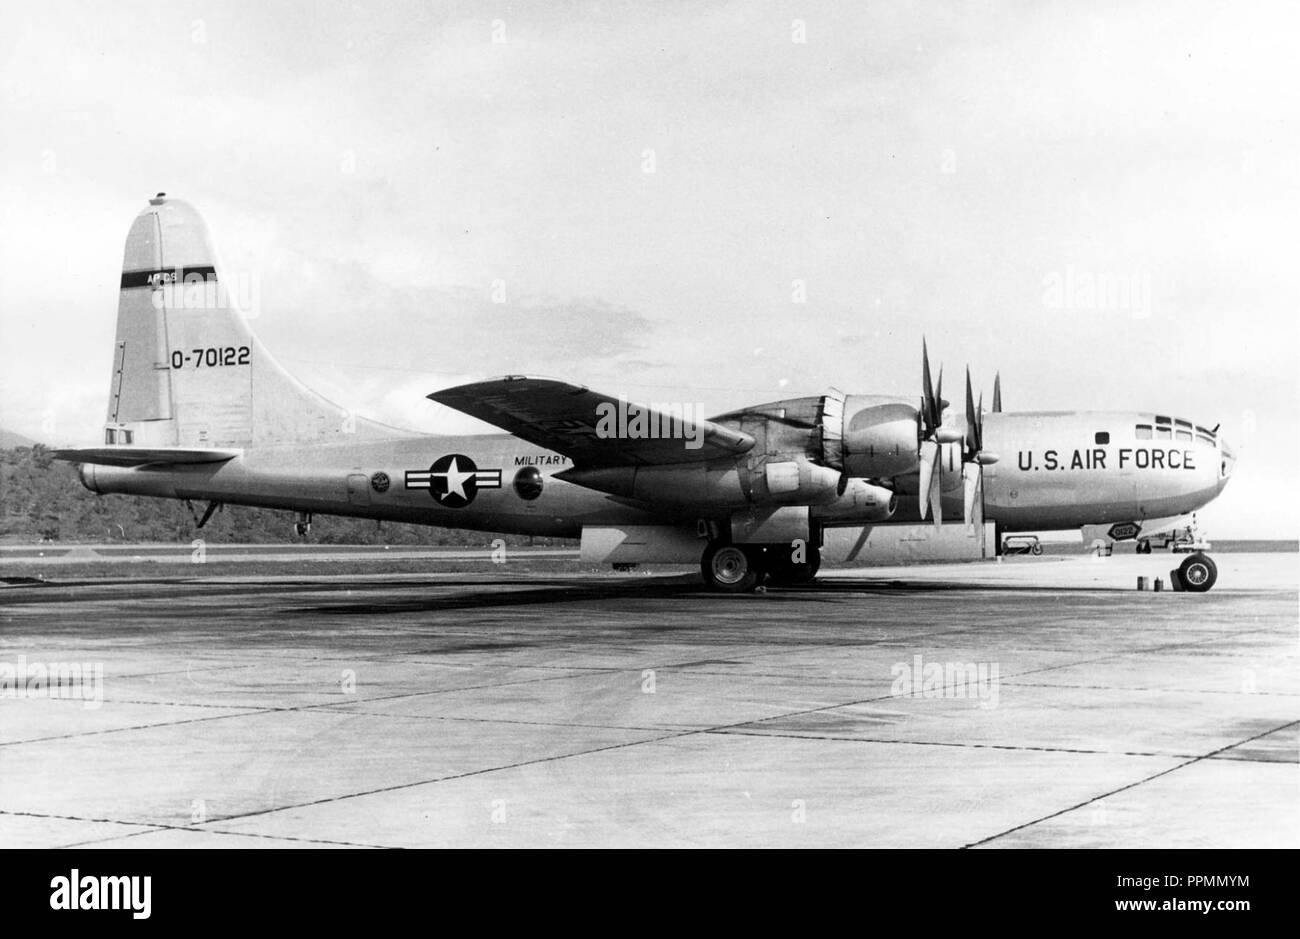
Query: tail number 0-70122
x=211 y=357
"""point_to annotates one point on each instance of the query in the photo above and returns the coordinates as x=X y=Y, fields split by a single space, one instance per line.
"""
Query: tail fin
x=187 y=370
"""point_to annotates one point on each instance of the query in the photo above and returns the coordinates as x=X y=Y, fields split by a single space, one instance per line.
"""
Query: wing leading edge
x=590 y=428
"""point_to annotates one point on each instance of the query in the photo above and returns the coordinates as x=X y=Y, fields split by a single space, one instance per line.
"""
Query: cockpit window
x=1143 y=431
x=1163 y=433
x=1185 y=435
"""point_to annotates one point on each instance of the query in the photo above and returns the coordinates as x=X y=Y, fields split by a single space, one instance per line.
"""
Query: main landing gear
x=734 y=568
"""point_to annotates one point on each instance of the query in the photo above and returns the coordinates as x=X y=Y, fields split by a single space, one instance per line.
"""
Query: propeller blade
x=997 y=393
x=928 y=402
x=928 y=469
x=974 y=421
x=936 y=489
x=972 y=478
x=924 y=468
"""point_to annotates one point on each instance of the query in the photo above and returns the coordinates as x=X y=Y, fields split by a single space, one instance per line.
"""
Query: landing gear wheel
x=729 y=569
x=1198 y=573
x=1036 y=550
x=1144 y=547
x=784 y=572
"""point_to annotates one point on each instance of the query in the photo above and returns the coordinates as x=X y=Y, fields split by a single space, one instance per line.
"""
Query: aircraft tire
x=1198 y=573
x=729 y=569
x=1144 y=547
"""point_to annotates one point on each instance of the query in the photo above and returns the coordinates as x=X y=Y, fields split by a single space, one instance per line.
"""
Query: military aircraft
x=199 y=410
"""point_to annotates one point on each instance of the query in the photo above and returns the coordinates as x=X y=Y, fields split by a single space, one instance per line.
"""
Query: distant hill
x=9 y=440
x=42 y=499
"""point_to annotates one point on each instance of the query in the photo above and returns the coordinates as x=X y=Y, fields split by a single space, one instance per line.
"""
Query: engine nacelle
x=860 y=502
x=870 y=437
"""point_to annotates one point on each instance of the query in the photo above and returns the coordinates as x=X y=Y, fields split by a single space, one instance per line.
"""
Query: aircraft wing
x=590 y=428
x=143 y=456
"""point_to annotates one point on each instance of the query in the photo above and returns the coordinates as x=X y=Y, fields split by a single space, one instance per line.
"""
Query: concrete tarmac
x=1037 y=702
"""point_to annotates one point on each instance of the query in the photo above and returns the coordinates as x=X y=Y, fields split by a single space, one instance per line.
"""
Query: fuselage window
x=110 y=435
x=1143 y=431
x=1102 y=437
x=128 y=436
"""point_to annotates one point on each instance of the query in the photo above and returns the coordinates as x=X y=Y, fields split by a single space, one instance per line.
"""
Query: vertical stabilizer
x=187 y=369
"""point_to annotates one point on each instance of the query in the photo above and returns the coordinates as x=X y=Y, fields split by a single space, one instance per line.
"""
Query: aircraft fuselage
x=1054 y=471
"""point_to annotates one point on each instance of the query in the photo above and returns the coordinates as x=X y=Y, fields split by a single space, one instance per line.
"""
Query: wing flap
x=590 y=428
x=143 y=456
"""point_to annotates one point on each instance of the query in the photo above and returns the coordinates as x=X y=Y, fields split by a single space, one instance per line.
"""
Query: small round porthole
x=528 y=483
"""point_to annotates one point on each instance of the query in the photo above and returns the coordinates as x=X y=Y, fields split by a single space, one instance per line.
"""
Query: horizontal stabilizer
x=590 y=428
x=143 y=456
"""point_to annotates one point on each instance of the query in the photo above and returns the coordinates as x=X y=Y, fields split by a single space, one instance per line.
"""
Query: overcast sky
x=647 y=182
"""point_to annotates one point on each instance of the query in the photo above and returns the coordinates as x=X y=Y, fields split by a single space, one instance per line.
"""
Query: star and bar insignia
x=453 y=480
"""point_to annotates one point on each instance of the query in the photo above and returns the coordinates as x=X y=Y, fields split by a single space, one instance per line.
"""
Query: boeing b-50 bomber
x=198 y=410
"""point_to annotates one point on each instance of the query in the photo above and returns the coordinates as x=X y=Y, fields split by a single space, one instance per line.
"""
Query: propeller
x=997 y=393
x=931 y=435
x=974 y=457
